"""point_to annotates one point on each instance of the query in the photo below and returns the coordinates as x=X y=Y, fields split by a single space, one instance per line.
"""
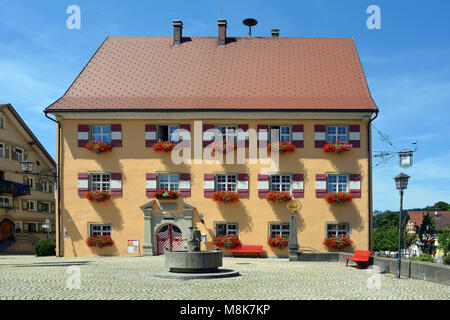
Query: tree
x=439 y=206
x=386 y=220
x=386 y=239
x=443 y=237
x=426 y=233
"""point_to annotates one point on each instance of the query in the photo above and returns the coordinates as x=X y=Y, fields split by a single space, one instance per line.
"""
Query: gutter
x=58 y=183
x=369 y=151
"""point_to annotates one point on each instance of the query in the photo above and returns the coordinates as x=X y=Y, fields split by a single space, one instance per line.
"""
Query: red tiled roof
x=442 y=219
x=144 y=73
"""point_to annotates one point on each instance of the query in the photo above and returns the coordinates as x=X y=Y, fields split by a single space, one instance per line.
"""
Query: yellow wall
x=133 y=160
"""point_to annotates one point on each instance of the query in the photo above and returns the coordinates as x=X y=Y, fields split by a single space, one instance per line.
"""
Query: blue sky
x=406 y=63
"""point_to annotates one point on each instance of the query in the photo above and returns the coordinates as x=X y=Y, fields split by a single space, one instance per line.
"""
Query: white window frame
x=104 y=226
x=228 y=135
x=278 y=228
x=36 y=225
x=3 y=202
x=21 y=153
x=102 y=134
x=230 y=228
x=34 y=203
x=2 y=122
x=339 y=231
x=171 y=136
x=287 y=137
x=2 y=150
x=340 y=186
x=32 y=183
x=224 y=184
x=281 y=183
x=49 y=204
x=102 y=185
x=45 y=186
x=333 y=137
x=171 y=185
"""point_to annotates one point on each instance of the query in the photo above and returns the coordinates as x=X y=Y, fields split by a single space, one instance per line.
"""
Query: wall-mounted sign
x=133 y=246
x=405 y=159
x=203 y=237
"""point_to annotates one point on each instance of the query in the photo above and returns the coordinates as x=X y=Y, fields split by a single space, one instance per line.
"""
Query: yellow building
x=137 y=91
x=27 y=202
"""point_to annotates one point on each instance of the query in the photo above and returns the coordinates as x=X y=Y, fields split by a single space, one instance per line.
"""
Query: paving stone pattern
x=28 y=277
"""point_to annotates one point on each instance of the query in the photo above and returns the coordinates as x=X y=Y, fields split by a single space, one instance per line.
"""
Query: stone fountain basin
x=193 y=262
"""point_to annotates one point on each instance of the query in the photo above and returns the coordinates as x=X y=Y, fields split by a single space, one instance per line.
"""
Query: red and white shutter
x=185 y=135
x=263 y=135
x=150 y=184
x=298 y=185
x=185 y=185
x=355 y=185
x=321 y=185
x=354 y=135
x=208 y=134
x=116 y=135
x=83 y=183
x=83 y=134
x=150 y=135
x=319 y=135
x=242 y=135
x=242 y=184
x=263 y=185
x=297 y=135
x=208 y=184
x=116 y=184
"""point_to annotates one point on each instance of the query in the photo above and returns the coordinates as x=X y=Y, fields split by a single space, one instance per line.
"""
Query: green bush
x=446 y=259
x=424 y=258
x=45 y=247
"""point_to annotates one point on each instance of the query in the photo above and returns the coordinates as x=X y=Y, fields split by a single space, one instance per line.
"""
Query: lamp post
x=401 y=183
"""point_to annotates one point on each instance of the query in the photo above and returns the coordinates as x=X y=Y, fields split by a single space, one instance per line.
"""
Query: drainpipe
x=369 y=151
x=58 y=183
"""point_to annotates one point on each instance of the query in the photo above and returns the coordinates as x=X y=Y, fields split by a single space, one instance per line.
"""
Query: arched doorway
x=169 y=236
x=6 y=230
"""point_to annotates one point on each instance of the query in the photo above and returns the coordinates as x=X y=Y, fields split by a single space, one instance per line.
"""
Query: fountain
x=194 y=263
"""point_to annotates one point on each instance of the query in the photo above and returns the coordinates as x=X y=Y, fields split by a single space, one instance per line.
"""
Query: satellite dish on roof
x=250 y=22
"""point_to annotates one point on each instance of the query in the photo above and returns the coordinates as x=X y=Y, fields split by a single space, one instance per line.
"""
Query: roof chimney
x=275 y=33
x=177 y=32
x=222 y=31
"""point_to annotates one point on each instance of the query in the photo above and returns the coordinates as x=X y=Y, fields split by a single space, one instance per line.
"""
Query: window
x=337 y=229
x=169 y=181
x=2 y=122
x=335 y=133
x=284 y=133
x=223 y=229
x=100 y=181
x=4 y=202
x=337 y=183
x=167 y=133
x=2 y=150
x=19 y=154
x=45 y=207
x=45 y=186
x=30 y=182
x=226 y=182
x=280 y=183
x=31 y=205
x=32 y=227
x=277 y=229
x=101 y=133
x=100 y=229
x=228 y=133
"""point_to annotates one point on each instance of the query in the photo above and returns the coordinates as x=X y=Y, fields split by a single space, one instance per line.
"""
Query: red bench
x=360 y=256
x=248 y=248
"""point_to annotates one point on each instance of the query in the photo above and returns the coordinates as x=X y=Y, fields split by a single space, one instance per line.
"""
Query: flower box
x=98 y=147
x=223 y=146
x=278 y=196
x=280 y=241
x=166 y=194
x=225 y=196
x=337 y=147
x=338 y=197
x=98 y=196
x=164 y=146
x=337 y=242
x=99 y=241
x=228 y=241
x=282 y=147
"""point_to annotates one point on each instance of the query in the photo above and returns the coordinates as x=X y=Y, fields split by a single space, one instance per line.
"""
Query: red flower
x=168 y=194
x=98 y=147
x=337 y=242
x=282 y=147
x=278 y=196
x=98 y=196
x=223 y=146
x=338 y=197
x=99 y=241
x=225 y=196
x=165 y=146
x=337 y=147
x=227 y=241
x=280 y=241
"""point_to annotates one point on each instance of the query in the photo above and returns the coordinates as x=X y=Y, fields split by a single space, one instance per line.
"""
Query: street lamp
x=401 y=183
x=26 y=166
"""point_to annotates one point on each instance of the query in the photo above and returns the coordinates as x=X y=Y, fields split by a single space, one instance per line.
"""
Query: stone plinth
x=193 y=262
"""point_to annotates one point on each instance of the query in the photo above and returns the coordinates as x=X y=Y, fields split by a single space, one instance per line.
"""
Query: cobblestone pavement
x=28 y=277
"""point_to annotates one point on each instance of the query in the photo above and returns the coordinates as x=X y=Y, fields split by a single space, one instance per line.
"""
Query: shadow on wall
x=347 y=212
x=108 y=212
x=236 y=212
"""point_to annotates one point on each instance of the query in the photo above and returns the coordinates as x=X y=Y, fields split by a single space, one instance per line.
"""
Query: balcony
x=14 y=188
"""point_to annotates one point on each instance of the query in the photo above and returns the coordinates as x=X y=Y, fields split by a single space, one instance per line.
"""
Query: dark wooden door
x=6 y=230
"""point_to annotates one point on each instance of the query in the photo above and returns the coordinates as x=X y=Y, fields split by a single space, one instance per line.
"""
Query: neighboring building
x=136 y=91
x=413 y=221
x=26 y=201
